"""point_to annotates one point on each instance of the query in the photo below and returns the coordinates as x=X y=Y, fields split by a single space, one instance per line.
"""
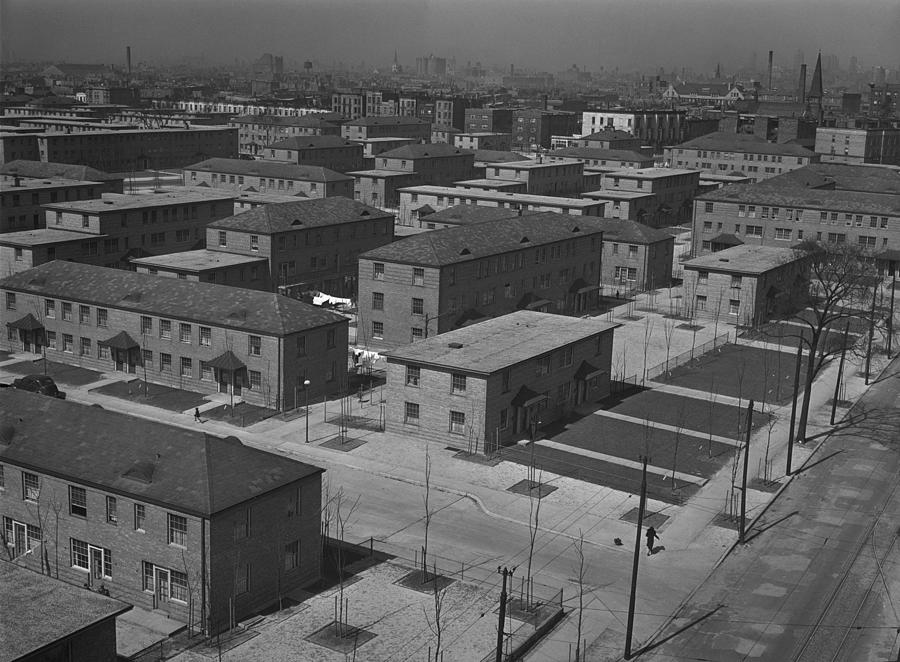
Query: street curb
x=762 y=512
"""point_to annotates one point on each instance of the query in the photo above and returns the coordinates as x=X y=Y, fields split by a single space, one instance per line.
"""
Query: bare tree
x=840 y=276
x=437 y=624
x=648 y=333
x=337 y=512
x=534 y=515
x=668 y=335
x=428 y=511
x=579 y=550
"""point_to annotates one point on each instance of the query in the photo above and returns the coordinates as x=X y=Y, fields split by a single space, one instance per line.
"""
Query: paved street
x=819 y=578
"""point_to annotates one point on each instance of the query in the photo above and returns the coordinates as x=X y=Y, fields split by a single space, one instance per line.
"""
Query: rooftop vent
x=525 y=240
x=141 y=471
x=723 y=259
x=465 y=251
x=238 y=314
x=576 y=229
x=454 y=345
x=296 y=221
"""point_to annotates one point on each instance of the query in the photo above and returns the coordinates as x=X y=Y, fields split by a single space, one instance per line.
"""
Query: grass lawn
x=243 y=414
x=690 y=413
x=782 y=333
x=156 y=395
x=739 y=371
x=69 y=375
x=598 y=472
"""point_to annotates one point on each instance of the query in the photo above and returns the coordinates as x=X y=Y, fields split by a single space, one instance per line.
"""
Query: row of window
x=54 y=197
x=734 y=305
x=78 y=507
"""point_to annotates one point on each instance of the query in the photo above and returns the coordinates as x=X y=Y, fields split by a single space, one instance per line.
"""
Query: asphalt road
x=819 y=579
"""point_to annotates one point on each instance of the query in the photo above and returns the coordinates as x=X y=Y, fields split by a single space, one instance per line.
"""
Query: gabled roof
x=632 y=232
x=470 y=242
x=600 y=154
x=313 y=142
x=313 y=120
x=182 y=469
x=785 y=194
x=304 y=173
x=42 y=170
x=744 y=143
x=283 y=216
x=208 y=303
x=497 y=156
x=466 y=214
x=430 y=150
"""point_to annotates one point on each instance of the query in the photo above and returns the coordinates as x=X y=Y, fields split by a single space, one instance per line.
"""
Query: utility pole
x=500 y=625
x=871 y=335
x=629 y=629
x=790 y=443
x=840 y=375
x=890 y=319
x=744 y=481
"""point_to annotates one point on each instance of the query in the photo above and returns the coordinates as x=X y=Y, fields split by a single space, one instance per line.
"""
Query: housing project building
x=499 y=381
x=433 y=282
x=203 y=529
x=200 y=337
x=744 y=285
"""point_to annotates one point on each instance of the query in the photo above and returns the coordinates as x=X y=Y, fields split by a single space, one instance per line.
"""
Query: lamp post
x=306 y=393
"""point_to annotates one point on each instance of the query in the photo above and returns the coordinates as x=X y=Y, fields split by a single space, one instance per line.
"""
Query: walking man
x=651 y=538
x=197 y=415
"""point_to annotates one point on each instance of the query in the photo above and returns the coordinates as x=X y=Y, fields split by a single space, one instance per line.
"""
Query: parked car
x=39 y=384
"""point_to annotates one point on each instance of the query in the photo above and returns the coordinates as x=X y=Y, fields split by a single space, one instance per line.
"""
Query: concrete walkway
x=687 y=432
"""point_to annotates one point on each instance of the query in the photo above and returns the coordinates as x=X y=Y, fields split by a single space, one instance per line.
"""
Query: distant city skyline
x=630 y=35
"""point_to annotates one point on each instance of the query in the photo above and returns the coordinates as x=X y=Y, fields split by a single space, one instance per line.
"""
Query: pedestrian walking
x=197 y=415
x=651 y=538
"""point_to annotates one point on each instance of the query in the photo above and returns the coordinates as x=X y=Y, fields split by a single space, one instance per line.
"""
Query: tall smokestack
x=771 y=54
x=128 y=59
x=803 y=84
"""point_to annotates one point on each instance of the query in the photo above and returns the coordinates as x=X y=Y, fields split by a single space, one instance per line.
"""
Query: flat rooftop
x=121 y=201
x=652 y=173
x=728 y=179
x=44 y=236
x=199 y=260
x=491 y=183
x=483 y=194
x=500 y=342
x=533 y=163
x=40 y=610
x=744 y=259
x=381 y=173
x=8 y=183
x=606 y=194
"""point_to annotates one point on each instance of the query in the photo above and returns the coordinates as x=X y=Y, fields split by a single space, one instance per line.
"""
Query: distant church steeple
x=395 y=67
x=718 y=70
x=816 y=89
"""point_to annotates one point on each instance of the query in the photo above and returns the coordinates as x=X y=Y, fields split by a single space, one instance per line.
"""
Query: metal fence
x=641 y=378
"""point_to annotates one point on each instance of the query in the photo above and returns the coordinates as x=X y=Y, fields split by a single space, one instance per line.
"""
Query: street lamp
x=306 y=391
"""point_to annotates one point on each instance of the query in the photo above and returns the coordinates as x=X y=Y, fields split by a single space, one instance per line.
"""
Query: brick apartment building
x=498 y=381
x=636 y=257
x=609 y=159
x=532 y=128
x=267 y=176
x=490 y=120
x=26 y=170
x=331 y=152
x=654 y=127
x=200 y=337
x=18 y=145
x=744 y=285
x=673 y=189
x=740 y=153
x=255 y=132
x=200 y=528
x=21 y=199
x=483 y=140
x=380 y=187
x=542 y=177
x=858 y=145
x=781 y=213
x=610 y=139
x=436 y=164
x=139 y=149
x=419 y=200
x=110 y=230
x=365 y=128
x=433 y=282
x=309 y=245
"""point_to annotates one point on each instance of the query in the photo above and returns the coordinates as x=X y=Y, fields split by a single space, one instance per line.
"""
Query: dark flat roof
x=274 y=169
x=185 y=469
x=37 y=610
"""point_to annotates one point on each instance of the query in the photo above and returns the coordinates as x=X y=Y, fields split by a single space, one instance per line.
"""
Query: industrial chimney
x=771 y=53
x=128 y=59
x=803 y=84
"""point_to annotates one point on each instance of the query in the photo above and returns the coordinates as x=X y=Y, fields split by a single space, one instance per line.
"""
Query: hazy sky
x=545 y=34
